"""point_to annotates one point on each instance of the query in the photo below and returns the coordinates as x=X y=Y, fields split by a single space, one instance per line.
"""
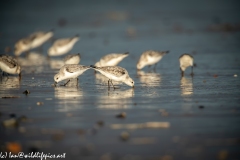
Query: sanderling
x=62 y=46
x=72 y=59
x=186 y=60
x=149 y=58
x=33 y=41
x=69 y=71
x=10 y=65
x=111 y=59
x=115 y=73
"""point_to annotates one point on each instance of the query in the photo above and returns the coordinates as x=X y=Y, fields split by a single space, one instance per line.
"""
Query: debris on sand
x=201 y=107
x=124 y=136
x=22 y=119
x=100 y=123
x=14 y=147
x=143 y=140
x=12 y=122
x=12 y=115
x=81 y=132
x=26 y=92
x=40 y=103
x=223 y=154
x=235 y=75
x=224 y=27
x=163 y=112
x=58 y=136
x=141 y=125
x=121 y=115
x=10 y=97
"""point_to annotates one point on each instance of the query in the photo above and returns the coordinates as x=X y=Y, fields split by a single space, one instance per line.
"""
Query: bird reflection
x=149 y=78
x=116 y=99
x=103 y=80
x=186 y=86
x=7 y=82
x=63 y=92
x=118 y=94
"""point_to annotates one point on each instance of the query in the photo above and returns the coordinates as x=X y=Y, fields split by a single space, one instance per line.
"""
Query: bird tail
x=76 y=37
x=126 y=53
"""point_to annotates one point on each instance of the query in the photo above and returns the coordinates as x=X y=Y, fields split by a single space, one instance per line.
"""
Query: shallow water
x=67 y=119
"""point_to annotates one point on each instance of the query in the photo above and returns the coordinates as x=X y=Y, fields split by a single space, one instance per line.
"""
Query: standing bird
x=111 y=59
x=72 y=59
x=62 y=46
x=69 y=71
x=32 y=41
x=9 y=65
x=149 y=58
x=115 y=73
x=186 y=60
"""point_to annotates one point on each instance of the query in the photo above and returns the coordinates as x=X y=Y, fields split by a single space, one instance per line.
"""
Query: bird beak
x=132 y=86
x=55 y=83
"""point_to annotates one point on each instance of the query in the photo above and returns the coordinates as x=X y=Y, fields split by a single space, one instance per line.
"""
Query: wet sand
x=195 y=117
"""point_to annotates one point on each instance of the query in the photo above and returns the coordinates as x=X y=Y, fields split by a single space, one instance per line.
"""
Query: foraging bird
x=111 y=59
x=115 y=73
x=33 y=41
x=149 y=58
x=9 y=65
x=62 y=46
x=186 y=60
x=69 y=71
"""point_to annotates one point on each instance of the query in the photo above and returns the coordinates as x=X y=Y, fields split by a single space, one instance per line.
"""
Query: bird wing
x=114 y=70
x=62 y=42
x=11 y=62
x=74 y=67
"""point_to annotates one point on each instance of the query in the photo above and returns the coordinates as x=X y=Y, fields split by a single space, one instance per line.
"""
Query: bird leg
x=182 y=72
x=112 y=84
x=67 y=82
x=108 y=84
x=192 y=72
x=20 y=76
x=155 y=67
x=77 y=82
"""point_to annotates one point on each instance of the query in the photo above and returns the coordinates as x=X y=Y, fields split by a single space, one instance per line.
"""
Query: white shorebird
x=115 y=73
x=9 y=65
x=149 y=58
x=111 y=59
x=186 y=60
x=32 y=41
x=62 y=46
x=72 y=59
x=69 y=71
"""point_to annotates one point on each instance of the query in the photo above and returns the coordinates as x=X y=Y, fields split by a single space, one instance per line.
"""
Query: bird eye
x=57 y=78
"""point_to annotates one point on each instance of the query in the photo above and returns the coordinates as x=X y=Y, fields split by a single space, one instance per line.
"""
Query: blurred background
x=66 y=120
